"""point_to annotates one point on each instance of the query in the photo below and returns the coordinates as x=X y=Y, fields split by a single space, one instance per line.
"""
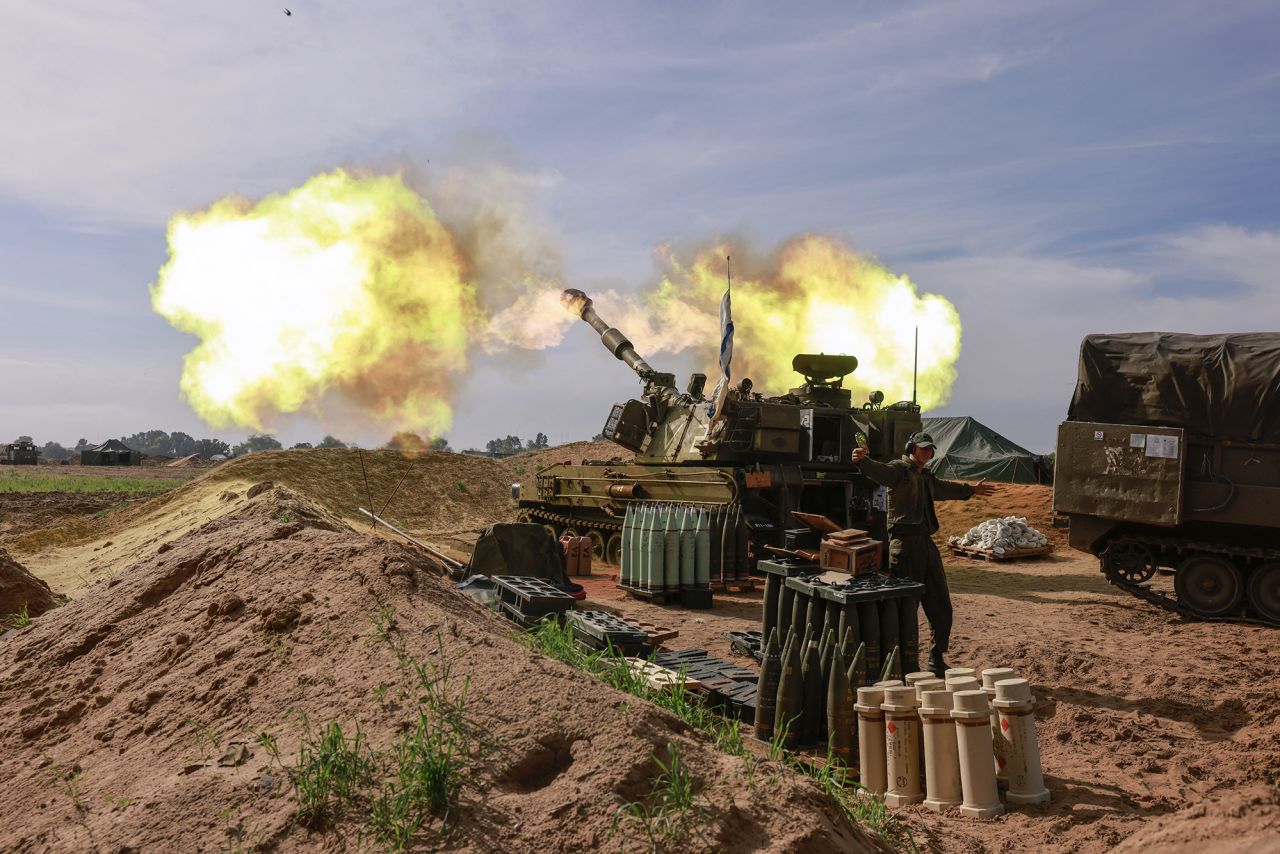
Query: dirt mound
x=22 y=512
x=424 y=491
x=574 y=453
x=134 y=706
x=431 y=493
x=20 y=589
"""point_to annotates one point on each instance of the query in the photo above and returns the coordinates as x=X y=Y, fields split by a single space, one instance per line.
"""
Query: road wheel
x=597 y=546
x=1129 y=561
x=1264 y=592
x=613 y=550
x=1209 y=585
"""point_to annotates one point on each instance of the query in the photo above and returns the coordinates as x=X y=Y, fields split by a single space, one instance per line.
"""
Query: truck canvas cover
x=1221 y=386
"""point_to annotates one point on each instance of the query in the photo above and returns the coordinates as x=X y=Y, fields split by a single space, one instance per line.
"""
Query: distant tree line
x=158 y=443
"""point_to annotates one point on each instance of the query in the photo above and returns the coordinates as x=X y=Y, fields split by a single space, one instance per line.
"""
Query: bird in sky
x=287 y=12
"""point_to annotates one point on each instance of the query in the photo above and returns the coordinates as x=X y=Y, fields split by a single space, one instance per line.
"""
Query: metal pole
x=915 y=366
x=435 y=553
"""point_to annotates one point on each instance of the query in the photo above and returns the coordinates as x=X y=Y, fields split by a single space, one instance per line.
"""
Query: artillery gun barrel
x=580 y=304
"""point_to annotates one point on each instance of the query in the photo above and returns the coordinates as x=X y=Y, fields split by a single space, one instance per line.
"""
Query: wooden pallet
x=988 y=555
x=657 y=634
x=660 y=678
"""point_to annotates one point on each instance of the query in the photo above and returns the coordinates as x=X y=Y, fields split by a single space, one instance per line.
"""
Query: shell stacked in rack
x=1007 y=534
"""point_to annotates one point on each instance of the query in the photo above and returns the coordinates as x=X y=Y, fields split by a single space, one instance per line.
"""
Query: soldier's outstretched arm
x=882 y=473
x=955 y=490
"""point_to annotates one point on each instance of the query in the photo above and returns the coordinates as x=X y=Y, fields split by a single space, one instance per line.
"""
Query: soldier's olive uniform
x=912 y=522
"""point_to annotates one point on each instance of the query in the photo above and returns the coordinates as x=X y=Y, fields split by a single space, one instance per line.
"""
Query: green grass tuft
x=670 y=811
x=857 y=804
x=19 y=619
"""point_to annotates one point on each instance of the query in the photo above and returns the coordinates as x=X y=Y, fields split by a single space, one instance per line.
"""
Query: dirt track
x=1156 y=733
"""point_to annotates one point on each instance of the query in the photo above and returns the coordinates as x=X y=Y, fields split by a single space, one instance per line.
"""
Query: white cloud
x=1024 y=317
x=1238 y=254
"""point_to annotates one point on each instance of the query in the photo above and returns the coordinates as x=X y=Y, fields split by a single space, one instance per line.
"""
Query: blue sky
x=1053 y=169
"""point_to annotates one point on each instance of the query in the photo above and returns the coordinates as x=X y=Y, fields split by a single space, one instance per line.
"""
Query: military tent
x=970 y=450
x=112 y=452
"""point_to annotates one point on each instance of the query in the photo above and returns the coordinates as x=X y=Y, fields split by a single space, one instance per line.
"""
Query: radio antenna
x=915 y=366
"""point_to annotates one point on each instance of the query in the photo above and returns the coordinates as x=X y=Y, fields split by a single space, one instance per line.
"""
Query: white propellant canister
x=871 y=759
x=990 y=677
x=956 y=684
x=918 y=676
x=941 y=758
x=929 y=685
x=957 y=672
x=1021 y=750
x=901 y=747
x=972 y=716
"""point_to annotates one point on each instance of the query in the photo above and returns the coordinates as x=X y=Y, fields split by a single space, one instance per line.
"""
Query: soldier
x=912 y=522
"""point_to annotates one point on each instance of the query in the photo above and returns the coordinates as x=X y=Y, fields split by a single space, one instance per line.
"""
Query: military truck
x=749 y=464
x=1170 y=460
x=20 y=453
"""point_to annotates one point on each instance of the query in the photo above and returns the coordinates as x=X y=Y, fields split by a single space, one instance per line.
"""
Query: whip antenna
x=915 y=366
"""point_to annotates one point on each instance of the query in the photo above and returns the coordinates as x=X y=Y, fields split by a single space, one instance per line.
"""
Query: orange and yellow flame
x=349 y=294
x=813 y=295
x=347 y=285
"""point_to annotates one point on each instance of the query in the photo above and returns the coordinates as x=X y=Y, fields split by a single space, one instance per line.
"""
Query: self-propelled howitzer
x=746 y=466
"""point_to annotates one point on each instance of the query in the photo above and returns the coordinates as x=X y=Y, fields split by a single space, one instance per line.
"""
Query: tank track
x=1165 y=545
x=585 y=527
x=538 y=515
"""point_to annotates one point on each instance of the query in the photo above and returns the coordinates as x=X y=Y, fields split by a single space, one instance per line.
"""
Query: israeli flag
x=726 y=355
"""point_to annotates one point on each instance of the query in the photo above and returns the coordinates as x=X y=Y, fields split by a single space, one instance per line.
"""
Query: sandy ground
x=135 y=708
x=1156 y=733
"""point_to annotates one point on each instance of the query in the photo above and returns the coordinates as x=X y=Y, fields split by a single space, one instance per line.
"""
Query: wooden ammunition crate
x=853 y=557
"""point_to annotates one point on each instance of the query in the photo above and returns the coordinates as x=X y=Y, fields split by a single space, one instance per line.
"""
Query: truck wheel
x=1264 y=591
x=1209 y=585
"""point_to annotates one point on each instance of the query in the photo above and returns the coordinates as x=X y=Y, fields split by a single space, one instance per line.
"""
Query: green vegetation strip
x=666 y=816
x=38 y=481
x=399 y=793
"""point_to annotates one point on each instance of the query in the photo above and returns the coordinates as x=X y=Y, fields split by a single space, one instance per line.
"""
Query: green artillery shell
x=790 y=696
x=840 y=713
x=828 y=653
x=858 y=669
x=891 y=666
x=814 y=708
x=767 y=688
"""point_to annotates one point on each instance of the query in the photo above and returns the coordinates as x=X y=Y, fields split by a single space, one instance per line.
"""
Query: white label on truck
x=1164 y=447
x=1137 y=440
x=1097 y=435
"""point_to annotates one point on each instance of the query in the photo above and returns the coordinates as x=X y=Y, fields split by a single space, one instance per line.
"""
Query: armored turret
x=745 y=469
